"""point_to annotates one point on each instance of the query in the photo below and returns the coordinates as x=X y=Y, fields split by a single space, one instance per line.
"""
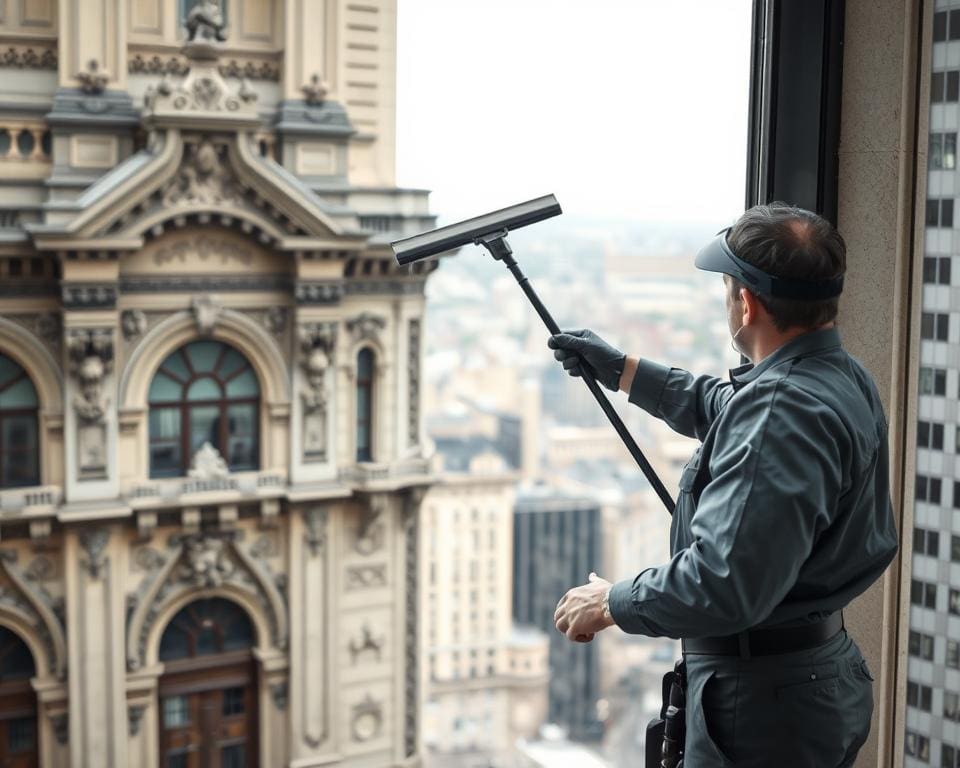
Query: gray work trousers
x=808 y=709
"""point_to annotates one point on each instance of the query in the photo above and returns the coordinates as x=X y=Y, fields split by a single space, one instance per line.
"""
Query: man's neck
x=767 y=344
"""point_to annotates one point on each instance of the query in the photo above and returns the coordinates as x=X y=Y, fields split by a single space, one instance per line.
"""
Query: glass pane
x=243 y=454
x=164 y=423
x=244 y=385
x=177 y=761
x=955 y=25
x=233 y=701
x=163 y=389
x=950 y=151
x=936 y=87
x=207 y=642
x=16 y=661
x=8 y=369
x=203 y=355
x=953 y=85
x=176 y=365
x=165 y=460
x=940 y=27
x=365 y=364
x=19 y=433
x=176 y=712
x=241 y=419
x=175 y=644
x=19 y=395
x=946 y=210
x=21 y=734
x=25 y=143
x=936 y=150
x=204 y=389
x=233 y=756
x=204 y=427
x=232 y=362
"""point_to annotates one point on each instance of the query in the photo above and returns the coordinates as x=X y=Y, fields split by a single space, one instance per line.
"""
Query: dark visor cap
x=716 y=256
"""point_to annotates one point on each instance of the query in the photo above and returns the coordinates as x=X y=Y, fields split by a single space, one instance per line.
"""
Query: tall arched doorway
x=18 y=703
x=208 y=691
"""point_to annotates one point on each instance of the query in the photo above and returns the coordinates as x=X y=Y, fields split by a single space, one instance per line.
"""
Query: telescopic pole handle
x=500 y=250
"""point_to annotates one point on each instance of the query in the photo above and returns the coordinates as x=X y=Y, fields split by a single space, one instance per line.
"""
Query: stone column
x=308 y=49
x=311 y=651
x=93 y=31
x=95 y=613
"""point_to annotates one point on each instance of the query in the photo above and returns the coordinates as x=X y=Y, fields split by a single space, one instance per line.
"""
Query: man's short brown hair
x=786 y=241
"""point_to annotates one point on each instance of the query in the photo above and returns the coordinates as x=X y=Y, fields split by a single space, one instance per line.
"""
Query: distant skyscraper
x=933 y=672
x=556 y=543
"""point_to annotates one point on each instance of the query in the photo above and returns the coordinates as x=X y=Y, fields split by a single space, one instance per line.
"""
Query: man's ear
x=751 y=306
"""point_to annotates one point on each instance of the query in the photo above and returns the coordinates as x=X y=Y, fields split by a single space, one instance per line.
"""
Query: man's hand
x=574 y=347
x=579 y=613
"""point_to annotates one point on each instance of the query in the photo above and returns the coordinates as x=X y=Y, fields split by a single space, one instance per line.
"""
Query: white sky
x=623 y=108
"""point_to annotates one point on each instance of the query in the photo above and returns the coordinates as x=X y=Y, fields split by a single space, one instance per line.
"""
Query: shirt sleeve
x=688 y=403
x=776 y=474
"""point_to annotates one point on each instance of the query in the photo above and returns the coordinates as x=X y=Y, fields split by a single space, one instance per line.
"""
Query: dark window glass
x=233 y=756
x=923 y=434
x=939 y=26
x=954 y=539
x=922 y=487
x=16 y=661
x=926 y=647
x=916 y=592
x=919 y=540
x=953 y=602
x=929 y=595
x=953 y=654
x=926 y=698
x=26 y=143
x=951 y=705
x=36 y=267
x=21 y=734
x=19 y=454
x=954 y=25
x=943 y=327
x=936 y=151
x=365 y=367
x=913 y=693
x=913 y=644
x=936 y=484
x=933 y=543
x=933 y=213
x=936 y=437
x=953 y=85
x=936 y=89
x=929 y=270
x=940 y=382
x=205 y=392
x=944 y=276
x=946 y=206
x=177 y=761
x=176 y=712
x=233 y=701
x=15 y=267
x=206 y=626
x=948 y=757
x=926 y=325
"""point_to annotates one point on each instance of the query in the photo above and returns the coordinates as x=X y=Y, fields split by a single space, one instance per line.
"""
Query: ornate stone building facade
x=210 y=430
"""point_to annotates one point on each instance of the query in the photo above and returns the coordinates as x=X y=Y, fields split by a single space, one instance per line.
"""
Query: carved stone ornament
x=204 y=178
x=94 y=543
x=93 y=81
x=135 y=717
x=366 y=326
x=367 y=719
x=315 y=520
x=208 y=464
x=29 y=57
x=316 y=348
x=134 y=323
x=61 y=727
x=205 y=22
x=206 y=313
x=206 y=562
x=315 y=91
x=367 y=642
x=278 y=692
x=275 y=320
x=366 y=577
x=371 y=530
x=91 y=359
x=194 y=565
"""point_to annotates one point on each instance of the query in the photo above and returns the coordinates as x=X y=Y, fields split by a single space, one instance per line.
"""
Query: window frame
x=32 y=413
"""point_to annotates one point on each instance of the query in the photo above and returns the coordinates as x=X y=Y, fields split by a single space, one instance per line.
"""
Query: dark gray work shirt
x=784 y=512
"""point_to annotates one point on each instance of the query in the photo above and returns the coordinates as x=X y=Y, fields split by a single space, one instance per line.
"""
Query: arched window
x=205 y=392
x=365 y=366
x=19 y=454
x=204 y=628
x=18 y=702
x=208 y=690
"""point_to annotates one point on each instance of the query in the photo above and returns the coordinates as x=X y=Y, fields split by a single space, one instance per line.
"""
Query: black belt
x=768 y=642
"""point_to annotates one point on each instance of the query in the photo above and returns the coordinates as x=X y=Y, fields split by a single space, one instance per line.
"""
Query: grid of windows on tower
x=933 y=381
x=930 y=435
x=923 y=593
x=926 y=542
x=920 y=645
x=929 y=489
x=946 y=26
x=919 y=696
x=950 y=757
x=917 y=745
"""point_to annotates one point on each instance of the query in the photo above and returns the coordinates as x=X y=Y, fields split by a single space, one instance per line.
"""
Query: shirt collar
x=810 y=343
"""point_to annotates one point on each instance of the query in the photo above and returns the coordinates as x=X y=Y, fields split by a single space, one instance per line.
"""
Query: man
x=783 y=515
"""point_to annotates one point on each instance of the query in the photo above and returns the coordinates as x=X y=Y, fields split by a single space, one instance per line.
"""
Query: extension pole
x=500 y=249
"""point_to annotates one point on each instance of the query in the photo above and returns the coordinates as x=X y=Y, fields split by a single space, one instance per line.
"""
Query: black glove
x=575 y=347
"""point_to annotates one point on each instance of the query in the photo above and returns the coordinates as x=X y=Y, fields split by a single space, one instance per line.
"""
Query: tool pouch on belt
x=665 y=734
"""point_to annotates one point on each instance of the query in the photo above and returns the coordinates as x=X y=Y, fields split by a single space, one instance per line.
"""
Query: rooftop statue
x=205 y=22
